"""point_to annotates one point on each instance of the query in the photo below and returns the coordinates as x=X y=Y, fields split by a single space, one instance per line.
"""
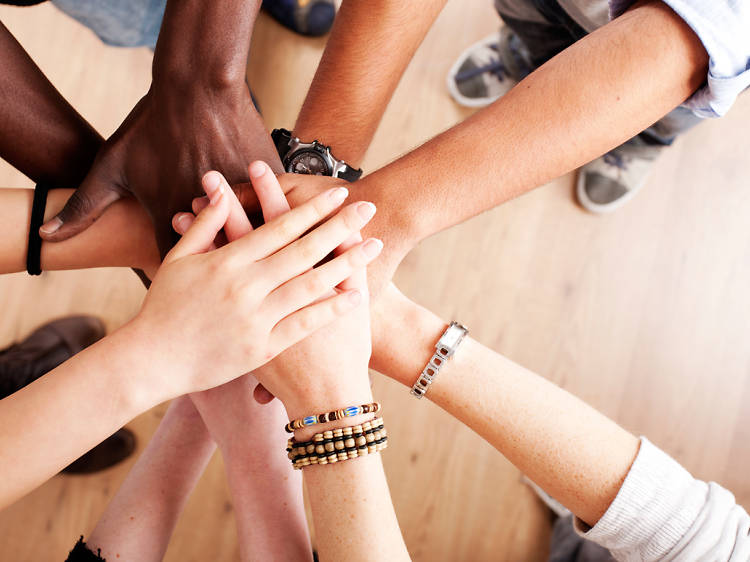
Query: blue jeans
x=546 y=29
x=123 y=23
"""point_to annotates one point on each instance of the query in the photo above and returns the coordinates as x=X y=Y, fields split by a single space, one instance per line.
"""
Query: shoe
x=610 y=181
x=306 y=17
x=488 y=69
x=113 y=450
x=47 y=348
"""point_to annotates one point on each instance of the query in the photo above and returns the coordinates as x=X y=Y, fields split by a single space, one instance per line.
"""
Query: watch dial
x=309 y=162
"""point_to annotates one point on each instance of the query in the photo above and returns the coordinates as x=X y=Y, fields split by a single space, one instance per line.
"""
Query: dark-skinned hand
x=162 y=149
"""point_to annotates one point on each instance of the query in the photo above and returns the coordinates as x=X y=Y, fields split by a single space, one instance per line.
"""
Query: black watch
x=310 y=158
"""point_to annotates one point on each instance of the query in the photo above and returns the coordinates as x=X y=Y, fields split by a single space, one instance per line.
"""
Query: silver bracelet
x=444 y=350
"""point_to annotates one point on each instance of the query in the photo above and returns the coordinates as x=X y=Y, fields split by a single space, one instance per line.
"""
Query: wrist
x=340 y=393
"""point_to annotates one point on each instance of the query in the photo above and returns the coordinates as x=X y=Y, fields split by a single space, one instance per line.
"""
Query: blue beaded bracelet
x=331 y=416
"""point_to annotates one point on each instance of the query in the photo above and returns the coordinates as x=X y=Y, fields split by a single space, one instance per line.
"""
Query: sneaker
x=487 y=70
x=306 y=17
x=610 y=181
x=47 y=348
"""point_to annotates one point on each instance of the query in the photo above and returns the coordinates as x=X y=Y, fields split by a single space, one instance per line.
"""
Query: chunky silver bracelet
x=444 y=350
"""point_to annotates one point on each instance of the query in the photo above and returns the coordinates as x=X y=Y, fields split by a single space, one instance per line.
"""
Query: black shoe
x=45 y=349
x=314 y=17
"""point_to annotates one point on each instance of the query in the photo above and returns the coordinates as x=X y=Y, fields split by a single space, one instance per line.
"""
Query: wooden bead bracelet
x=351 y=411
x=339 y=444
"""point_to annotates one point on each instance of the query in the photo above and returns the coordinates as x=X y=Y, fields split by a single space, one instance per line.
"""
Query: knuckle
x=77 y=206
x=285 y=227
x=308 y=251
x=314 y=284
x=306 y=322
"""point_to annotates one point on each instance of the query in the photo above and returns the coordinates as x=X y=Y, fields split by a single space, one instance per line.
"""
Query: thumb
x=200 y=236
x=87 y=204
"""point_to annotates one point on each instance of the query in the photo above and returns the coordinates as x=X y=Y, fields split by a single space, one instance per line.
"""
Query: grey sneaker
x=610 y=181
x=488 y=69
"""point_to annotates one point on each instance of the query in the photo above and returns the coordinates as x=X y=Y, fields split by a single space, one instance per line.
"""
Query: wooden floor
x=645 y=314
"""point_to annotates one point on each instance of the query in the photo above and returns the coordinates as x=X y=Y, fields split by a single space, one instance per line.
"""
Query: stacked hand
x=340 y=354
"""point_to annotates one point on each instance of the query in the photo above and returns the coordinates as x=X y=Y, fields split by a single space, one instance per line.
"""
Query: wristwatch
x=311 y=158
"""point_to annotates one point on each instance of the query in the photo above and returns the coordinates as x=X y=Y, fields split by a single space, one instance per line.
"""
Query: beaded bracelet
x=340 y=444
x=373 y=408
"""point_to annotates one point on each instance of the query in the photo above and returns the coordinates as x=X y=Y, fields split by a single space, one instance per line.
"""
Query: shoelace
x=615 y=159
x=495 y=67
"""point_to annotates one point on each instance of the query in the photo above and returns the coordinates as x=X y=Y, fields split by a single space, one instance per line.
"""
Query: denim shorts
x=123 y=23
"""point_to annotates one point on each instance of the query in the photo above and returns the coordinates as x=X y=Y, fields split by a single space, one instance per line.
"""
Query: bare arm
x=140 y=519
x=41 y=134
x=591 y=97
x=576 y=454
x=368 y=51
x=122 y=237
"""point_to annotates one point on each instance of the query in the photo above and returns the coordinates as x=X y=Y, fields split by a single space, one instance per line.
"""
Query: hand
x=329 y=369
x=160 y=151
x=283 y=378
x=300 y=188
x=255 y=292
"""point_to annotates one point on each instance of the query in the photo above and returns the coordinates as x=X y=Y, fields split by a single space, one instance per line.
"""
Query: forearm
x=140 y=519
x=41 y=134
x=122 y=237
x=266 y=491
x=576 y=454
x=352 y=511
x=368 y=50
x=205 y=42
x=51 y=422
x=593 y=96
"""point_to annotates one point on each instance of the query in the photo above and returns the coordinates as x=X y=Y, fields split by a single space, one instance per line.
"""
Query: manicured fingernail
x=372 y=247
x=51 y=226
x=366 y=210
x=214 y=186
x=338 y=194
x=199 y=203
x=355 y=297
x=257 y=169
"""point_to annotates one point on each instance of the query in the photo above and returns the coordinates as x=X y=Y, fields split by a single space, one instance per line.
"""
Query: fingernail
x=338 y=194
x=181 y=223
x=372 y=247
x=214 y=186
x=366 y=210
x=355 y=297
x=51 y=226
x=257 y=169
x=199 y=203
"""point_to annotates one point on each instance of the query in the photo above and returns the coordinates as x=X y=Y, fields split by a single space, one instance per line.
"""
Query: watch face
x=308 y=162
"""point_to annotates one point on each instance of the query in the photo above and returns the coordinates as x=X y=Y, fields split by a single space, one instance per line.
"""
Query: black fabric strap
x=350 y=174
x=34 y=251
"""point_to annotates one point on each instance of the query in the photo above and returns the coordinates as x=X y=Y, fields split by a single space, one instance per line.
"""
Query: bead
x=347 y=431
x=329 y=447
x=338 y=445
x=349 y=443
x=310 y=448
x=360 y=441
x=320 y=449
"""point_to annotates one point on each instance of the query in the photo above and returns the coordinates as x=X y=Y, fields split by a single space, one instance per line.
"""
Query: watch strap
x=281 y=138
x=34 y=248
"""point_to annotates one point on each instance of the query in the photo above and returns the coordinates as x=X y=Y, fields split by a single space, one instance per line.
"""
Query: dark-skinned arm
x=41 y=134
x=197 y=116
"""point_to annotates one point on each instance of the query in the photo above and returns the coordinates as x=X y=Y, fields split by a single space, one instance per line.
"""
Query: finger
x=287 y=228
x=358 y=278
x=304 y=322
x=181 y=222
x=87 y=204
x=261 y=395
x=237 y=224
x=269 y=192
x=199 y=203
x=200 y=236
x=318 y=282
x=303 y=254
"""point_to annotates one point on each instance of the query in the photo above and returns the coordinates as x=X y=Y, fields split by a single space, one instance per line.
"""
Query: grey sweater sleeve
x=662 y=513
